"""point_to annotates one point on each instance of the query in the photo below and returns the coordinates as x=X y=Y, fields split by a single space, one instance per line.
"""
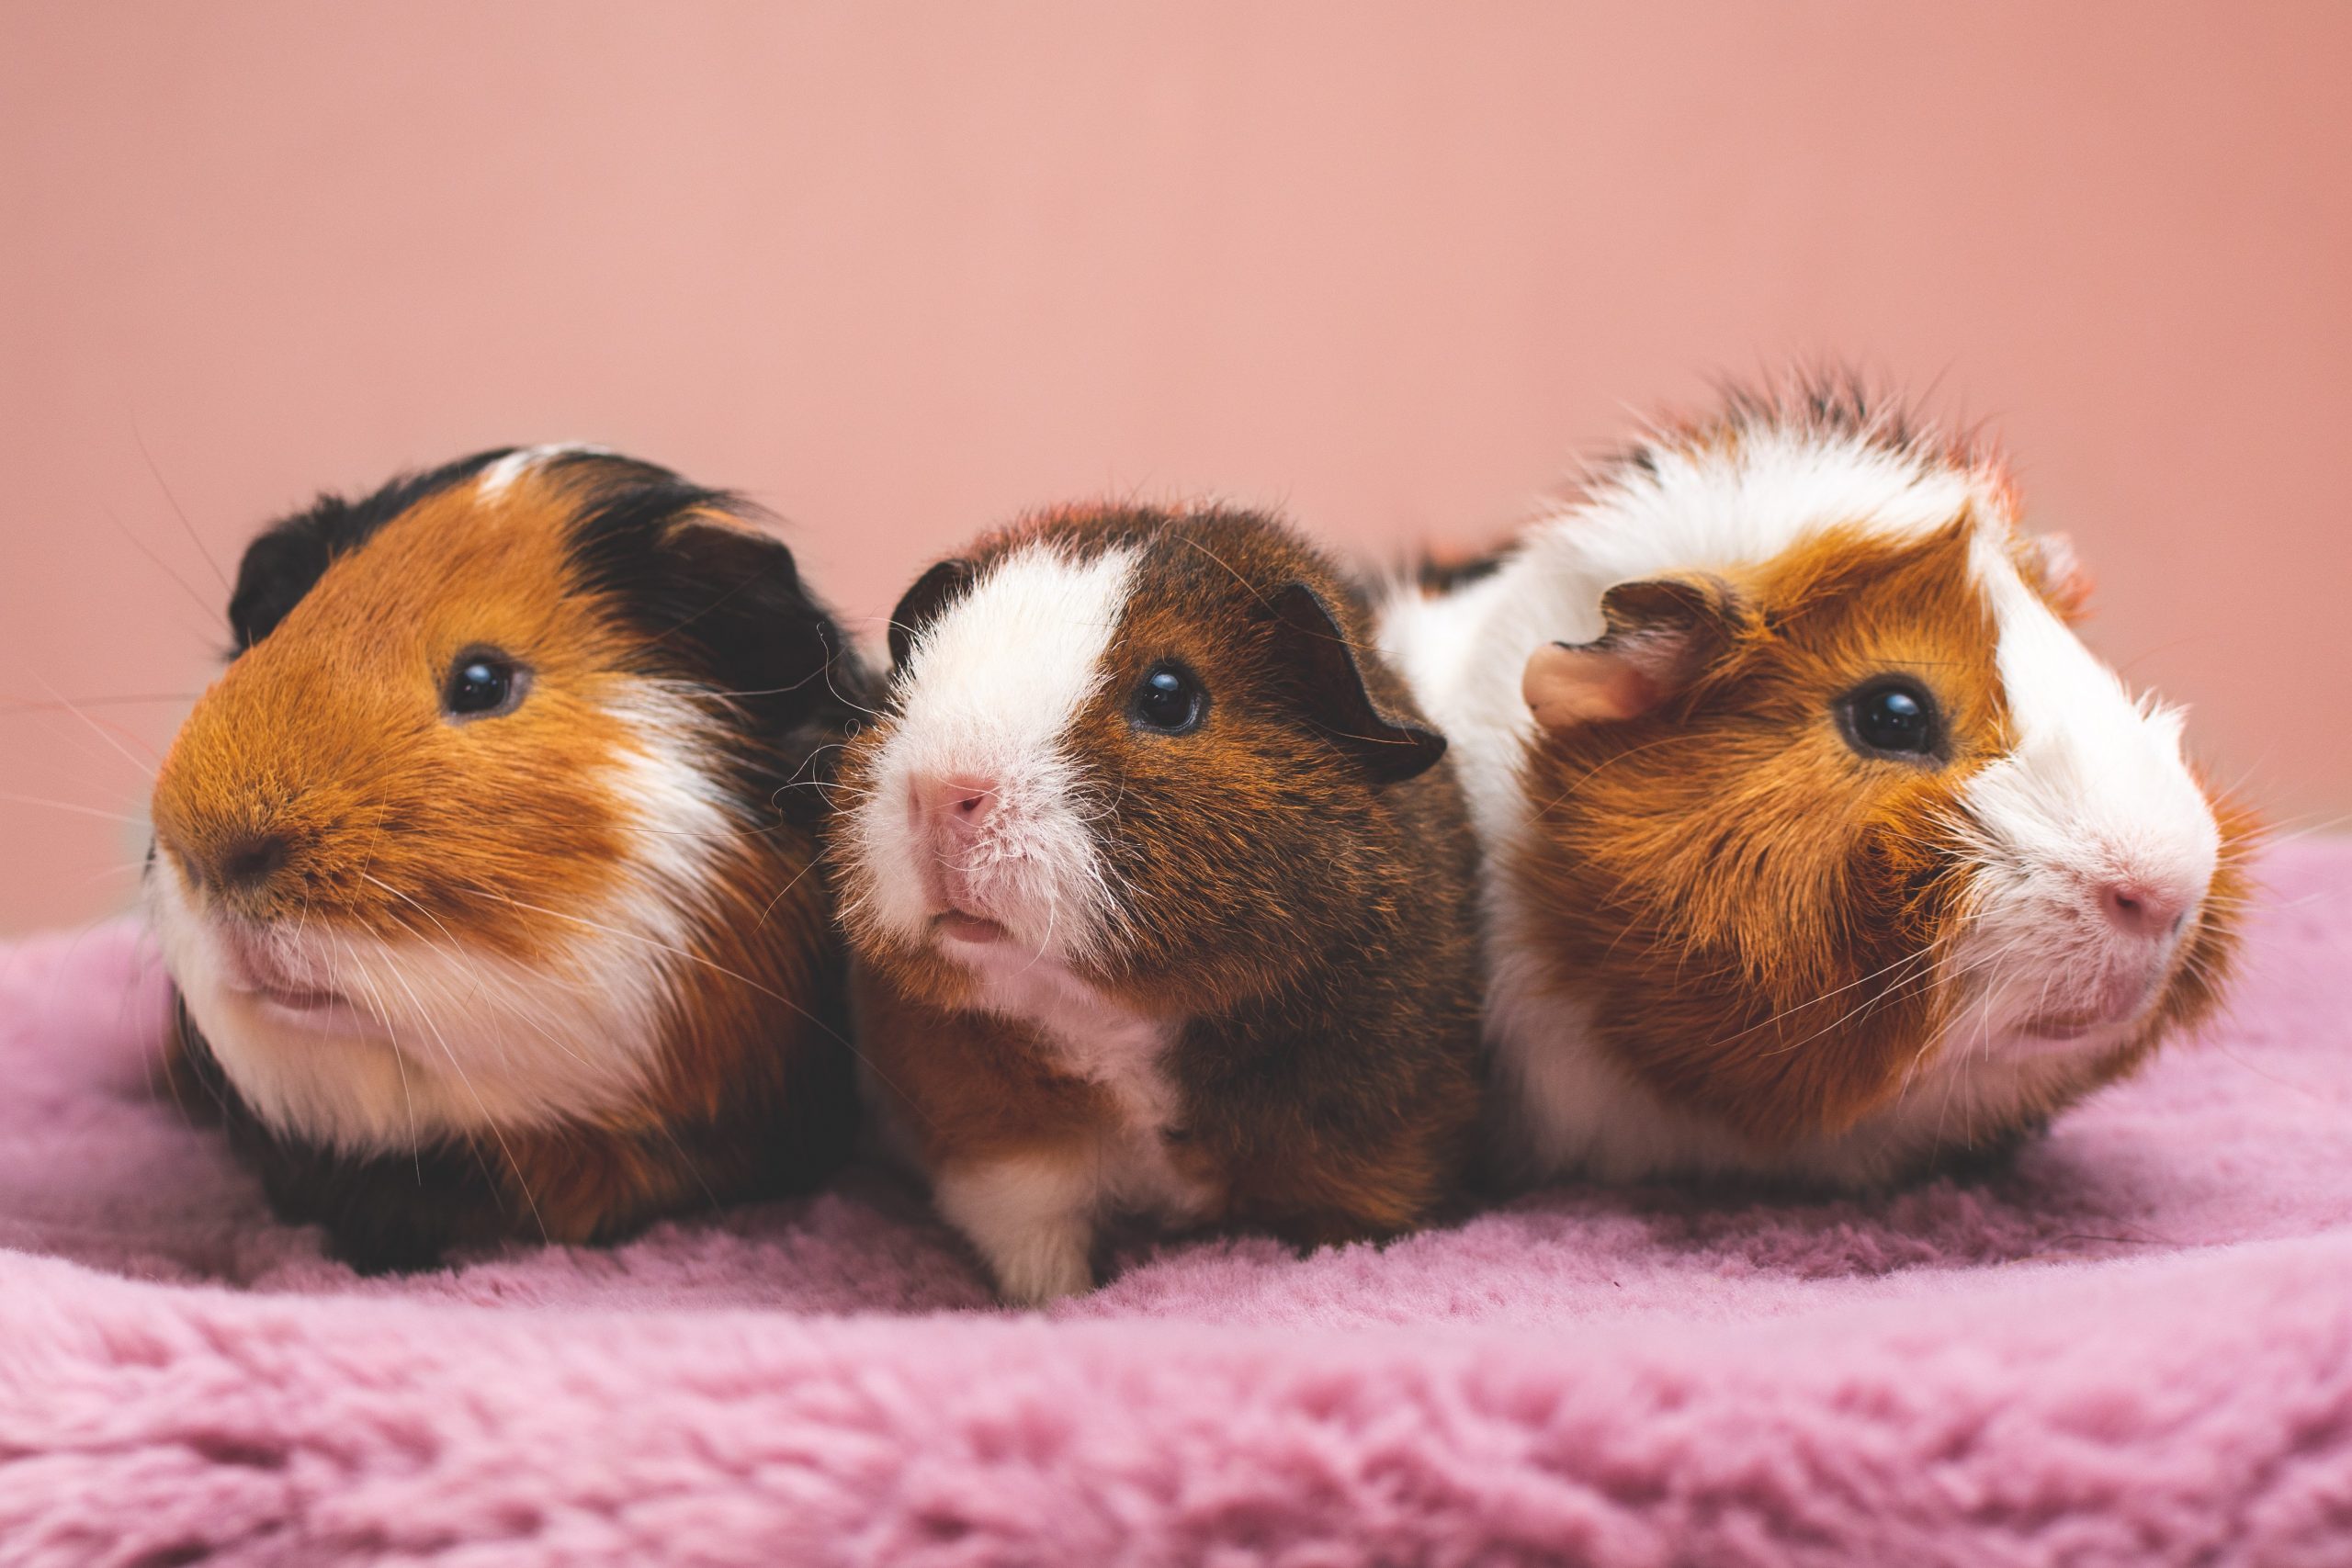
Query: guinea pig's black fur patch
x=722 y=605
x=293 y=553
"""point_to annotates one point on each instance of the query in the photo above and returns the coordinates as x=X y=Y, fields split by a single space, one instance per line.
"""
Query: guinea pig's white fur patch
x=2096 y=791
x=456 y=1042
x=989 y=691
x=2097 y=786
x=499 y=477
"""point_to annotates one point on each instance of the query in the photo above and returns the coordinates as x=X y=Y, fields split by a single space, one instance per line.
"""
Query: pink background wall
x=899 y=270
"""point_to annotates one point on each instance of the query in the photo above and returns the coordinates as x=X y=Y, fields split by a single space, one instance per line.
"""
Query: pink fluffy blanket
x=2133 y=1346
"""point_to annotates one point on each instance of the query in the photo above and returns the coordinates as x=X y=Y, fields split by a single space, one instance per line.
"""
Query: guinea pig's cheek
x=879 y=843
x=535 y=831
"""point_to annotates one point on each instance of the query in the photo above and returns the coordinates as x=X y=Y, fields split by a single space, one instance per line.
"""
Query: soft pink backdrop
x=901 y=270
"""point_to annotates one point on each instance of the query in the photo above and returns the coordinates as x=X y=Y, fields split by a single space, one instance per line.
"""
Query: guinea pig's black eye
x=483 y=683
x=1170 y=700
x=1894 y=717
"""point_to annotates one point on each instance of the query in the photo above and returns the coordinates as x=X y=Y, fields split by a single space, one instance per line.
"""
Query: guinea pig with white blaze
x=1160 y=897
x=1817 y=845
x=486 y=872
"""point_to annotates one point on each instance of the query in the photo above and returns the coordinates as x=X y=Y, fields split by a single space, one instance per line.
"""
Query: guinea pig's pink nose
x=2140 y=908
x=956 y=805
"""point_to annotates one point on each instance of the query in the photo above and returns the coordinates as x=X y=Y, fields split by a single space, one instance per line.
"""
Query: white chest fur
x=1123 y=1053
x=1034 y=1216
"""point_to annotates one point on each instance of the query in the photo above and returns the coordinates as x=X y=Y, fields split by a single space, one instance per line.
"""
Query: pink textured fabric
x=2131 y=1346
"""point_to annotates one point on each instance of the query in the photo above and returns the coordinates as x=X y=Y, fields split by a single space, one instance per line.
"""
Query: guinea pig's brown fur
x=1267 y=1014
x=549 y=969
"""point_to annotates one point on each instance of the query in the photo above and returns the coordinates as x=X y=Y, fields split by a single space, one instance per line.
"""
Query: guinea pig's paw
x=1042 y=1270
x=1031 y=1220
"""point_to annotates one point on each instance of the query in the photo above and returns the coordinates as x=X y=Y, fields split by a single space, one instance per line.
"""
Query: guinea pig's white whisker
x=375 y=837
x=1910 y=1076
x=760 y=691
x=2041 y=999
x=1106 y=811
x=1952 y=1084
x=1851 y=1014
x=805 y=777
x=187 y=527
x=1907 y=958
x=399 y=1056
x=57 y=704
x=2274 y=839
x=78 y=810
x=663 y=947
x=212 y=609
x=1979 y=962
x=378 y=882
x=829 y=788
x=458 y=1067
x=843 y=697
x=1045 y=943
x=816 y=751
x=510 y=999
x=478 y=975
x=833 y=793
x=824 y=1028
x=113 y=741
x=760 y=924
x=135 y=801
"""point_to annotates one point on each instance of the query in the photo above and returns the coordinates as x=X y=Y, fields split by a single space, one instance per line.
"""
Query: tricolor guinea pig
x=1816 y=844
x=1162 y=898
x=488 y=872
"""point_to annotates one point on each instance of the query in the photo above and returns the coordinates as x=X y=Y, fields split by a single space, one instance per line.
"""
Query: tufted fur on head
x=1209 y=959
x=568 y=946
x=1731 y=931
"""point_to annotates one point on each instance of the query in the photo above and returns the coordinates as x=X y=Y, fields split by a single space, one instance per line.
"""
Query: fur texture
x=2127 y=1349
x=1223 y=973
x=1729 y=934
x=547 y=971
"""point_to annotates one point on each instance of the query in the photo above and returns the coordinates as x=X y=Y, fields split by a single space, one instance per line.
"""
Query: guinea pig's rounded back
x=473 y=829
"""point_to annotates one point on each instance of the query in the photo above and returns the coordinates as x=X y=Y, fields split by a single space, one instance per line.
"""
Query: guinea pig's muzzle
x=952 y=820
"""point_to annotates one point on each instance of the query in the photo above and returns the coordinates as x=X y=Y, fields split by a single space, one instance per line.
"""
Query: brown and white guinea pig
x=486 y=871
x=1817 y=845
x=1162 y=898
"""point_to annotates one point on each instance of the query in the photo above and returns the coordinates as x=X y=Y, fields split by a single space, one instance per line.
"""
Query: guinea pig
x=1817 y=847
x=486 y=873
x=1160 y=897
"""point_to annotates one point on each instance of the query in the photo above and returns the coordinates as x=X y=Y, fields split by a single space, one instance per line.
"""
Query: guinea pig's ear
x=930 y=595
x=1314 y=651
x=291 y=557
x=2051 y=565
x=287 y=562
x=732 y=593
x=1662 y=634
